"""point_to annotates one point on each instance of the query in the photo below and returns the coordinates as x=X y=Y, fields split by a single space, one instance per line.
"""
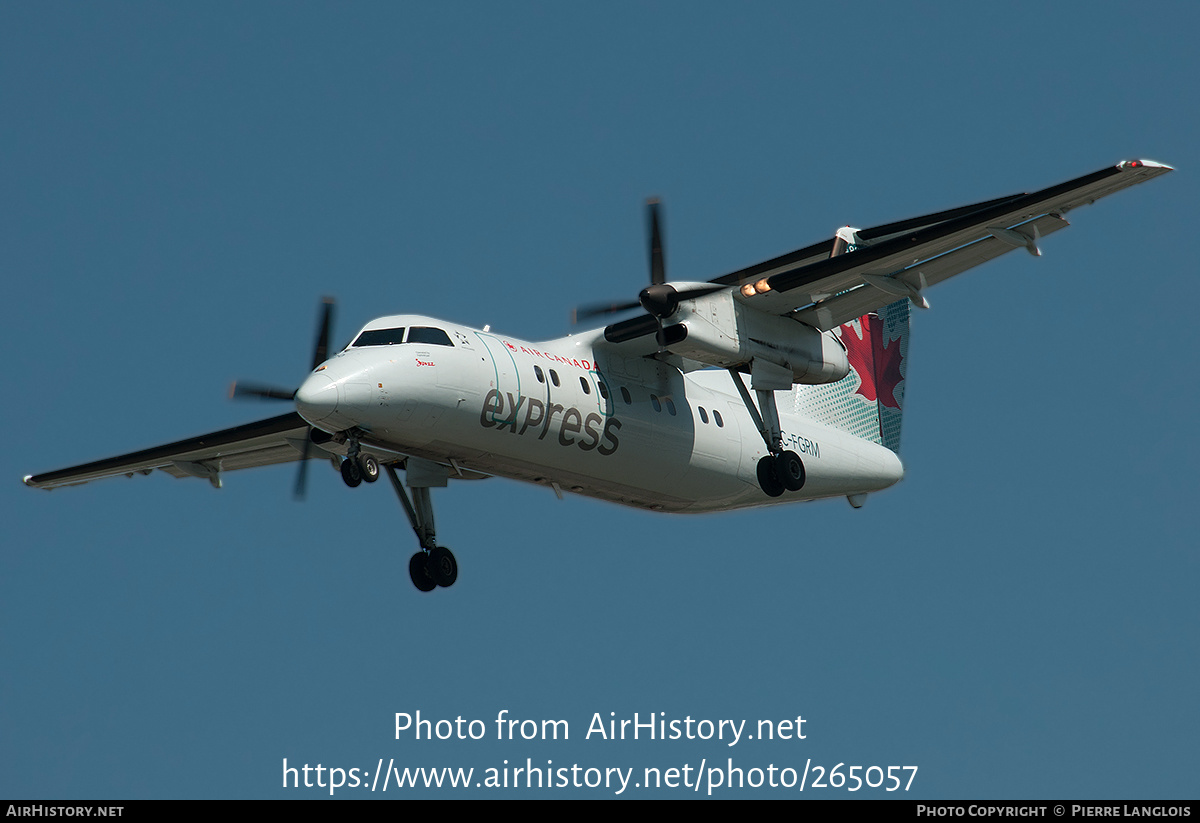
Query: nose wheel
x=358 y=467
x=351 y=473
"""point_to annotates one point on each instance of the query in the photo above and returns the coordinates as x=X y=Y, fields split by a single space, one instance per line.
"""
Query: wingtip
x=1144 y=163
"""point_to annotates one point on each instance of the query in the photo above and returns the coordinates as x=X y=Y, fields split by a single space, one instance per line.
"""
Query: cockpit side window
x=429 y=335
x=379 y=337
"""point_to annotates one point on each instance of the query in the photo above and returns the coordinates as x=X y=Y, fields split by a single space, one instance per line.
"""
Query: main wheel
x=768 y=477
x=351 y=473
x=443 y=568
x=418 y=570
x=790 y=469
x=369 y=467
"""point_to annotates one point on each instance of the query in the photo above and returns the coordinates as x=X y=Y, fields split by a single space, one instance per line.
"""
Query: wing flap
x=825 y=291
x=867 y=297
x=820 y=251
x=262 y=443
x=815 y=282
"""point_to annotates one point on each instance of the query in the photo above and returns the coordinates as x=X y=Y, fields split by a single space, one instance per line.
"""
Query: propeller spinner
x=660 y=299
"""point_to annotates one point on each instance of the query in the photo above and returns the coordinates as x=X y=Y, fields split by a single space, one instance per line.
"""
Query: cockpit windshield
x=391 y=337
x=427 y=334
x=379 y=337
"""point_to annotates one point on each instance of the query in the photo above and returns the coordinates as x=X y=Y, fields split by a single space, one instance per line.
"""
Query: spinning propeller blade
x=658 y=263
x=659 y=299
x=302 y=471
x=260 y=391
x=321 y=354
x=264 y=392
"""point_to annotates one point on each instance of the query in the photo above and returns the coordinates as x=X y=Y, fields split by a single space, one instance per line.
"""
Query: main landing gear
x=433 y=565
x=779 y=470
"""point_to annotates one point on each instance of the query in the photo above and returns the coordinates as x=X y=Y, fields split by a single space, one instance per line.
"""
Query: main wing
x=277 y=440
x=901 y=259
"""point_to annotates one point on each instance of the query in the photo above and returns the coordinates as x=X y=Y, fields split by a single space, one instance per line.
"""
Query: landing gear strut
x=434 y=565
x=778 y=470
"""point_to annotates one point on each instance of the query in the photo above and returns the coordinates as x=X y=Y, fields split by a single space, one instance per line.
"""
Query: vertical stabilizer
x=869 y=401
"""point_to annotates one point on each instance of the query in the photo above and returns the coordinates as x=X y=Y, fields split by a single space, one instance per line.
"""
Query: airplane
x=651 y=411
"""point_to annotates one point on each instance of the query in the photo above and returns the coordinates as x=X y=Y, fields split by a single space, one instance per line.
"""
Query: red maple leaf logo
x=877 y=365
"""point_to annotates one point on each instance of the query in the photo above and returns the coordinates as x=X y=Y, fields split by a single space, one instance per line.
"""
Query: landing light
x=751 y=289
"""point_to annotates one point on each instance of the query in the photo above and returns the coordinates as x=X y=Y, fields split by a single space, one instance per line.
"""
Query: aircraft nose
x=317 y=398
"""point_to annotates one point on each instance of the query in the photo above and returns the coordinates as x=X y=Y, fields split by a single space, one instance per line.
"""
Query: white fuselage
x=575 y=414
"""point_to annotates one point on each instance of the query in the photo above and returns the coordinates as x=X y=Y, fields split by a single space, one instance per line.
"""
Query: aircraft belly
x=837 y=463
x=486 y=411
x=624 y=457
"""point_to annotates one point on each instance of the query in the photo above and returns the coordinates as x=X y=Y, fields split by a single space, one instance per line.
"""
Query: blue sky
x=181 y=185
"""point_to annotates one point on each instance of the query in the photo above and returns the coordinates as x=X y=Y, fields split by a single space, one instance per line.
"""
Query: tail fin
x=868 y=402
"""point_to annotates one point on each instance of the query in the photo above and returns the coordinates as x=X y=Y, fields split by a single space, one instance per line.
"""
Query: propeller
x=659 y=299
x=658 y=262
x=260 y=391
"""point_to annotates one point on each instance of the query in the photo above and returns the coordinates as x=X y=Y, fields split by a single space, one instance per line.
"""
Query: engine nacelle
x=721 y=331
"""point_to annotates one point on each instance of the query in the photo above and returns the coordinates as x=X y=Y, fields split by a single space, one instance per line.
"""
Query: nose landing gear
x=358 y=467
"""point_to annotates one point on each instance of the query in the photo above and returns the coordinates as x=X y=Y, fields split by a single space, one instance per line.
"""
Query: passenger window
x=654 y=402
x=584 y=384
x=426 y=334
x=670 y=407
x=625 y=396
x=537 y=370
x=703 y=414
x=603 y=389
x=717 y=417
x=554 y=377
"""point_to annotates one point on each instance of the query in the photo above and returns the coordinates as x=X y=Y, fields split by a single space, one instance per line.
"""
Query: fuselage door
x=506 y=376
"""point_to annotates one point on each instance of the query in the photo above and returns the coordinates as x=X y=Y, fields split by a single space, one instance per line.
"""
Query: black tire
x=790 y=469
x=768 y=477
x=443 y=568
x=369 y=467
x=418 y=570
x=351 y=473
